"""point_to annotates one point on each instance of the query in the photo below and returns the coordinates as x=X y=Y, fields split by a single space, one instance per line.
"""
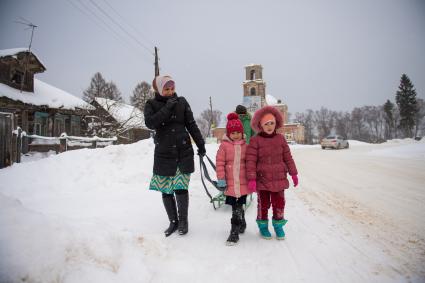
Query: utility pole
x=211 y=119
x=32 y=26
x=156 y=62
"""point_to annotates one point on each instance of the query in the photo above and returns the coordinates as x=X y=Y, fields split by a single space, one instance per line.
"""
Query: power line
x=110 y=29
x=84 y=12
x=103 y=24
x=120 y=26
x=128 y=24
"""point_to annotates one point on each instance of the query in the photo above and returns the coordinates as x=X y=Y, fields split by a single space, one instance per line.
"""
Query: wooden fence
x=64 y=142
x=11 y=142
x=6 y=139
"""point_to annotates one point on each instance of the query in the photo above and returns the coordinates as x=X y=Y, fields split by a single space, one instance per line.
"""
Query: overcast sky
x=336 y=54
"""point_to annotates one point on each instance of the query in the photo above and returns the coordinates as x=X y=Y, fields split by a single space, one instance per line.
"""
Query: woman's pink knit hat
x=160 y=82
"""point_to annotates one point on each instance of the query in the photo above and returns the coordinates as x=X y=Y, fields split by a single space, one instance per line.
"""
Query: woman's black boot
x=170 y=206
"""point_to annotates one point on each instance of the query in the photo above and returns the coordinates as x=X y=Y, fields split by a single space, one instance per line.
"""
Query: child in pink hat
x=231 y=173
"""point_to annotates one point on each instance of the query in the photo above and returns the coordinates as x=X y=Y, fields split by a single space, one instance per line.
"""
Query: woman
x=172 y=119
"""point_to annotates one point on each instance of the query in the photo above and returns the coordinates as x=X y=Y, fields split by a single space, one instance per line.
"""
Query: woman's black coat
x=173 y=146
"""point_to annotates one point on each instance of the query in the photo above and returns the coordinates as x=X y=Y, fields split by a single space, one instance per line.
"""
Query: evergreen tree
x=389 y=119
x=96 y=88
x=141 y=94
x=406 y=102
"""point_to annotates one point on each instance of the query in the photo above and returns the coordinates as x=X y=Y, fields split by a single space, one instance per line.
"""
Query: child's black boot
x=243 y=222
x=236 y=223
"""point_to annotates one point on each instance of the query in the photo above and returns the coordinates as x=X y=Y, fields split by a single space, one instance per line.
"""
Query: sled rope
x=204 y=172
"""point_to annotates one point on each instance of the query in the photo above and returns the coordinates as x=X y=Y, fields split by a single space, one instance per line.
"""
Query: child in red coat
x=268 y=161
x=231 y=173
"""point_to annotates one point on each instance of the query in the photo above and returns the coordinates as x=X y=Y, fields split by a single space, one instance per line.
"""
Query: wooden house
x=116 y=118
x=32 y=105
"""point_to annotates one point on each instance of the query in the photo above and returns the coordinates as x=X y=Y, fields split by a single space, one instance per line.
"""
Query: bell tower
x=254 y=84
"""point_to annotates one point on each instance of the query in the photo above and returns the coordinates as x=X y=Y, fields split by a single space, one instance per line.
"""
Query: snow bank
x=405 y=149
x=88 y=216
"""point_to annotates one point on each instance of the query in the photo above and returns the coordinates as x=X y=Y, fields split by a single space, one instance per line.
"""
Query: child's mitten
x=252 y=186
x=221 y=183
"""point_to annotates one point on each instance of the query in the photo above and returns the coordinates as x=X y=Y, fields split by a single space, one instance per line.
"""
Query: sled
x=219 y=199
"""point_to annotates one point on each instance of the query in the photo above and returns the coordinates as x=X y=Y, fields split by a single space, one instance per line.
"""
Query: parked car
x=334 y=141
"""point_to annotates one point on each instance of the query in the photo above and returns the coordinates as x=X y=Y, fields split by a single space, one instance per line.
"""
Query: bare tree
x=342 y=123
x=306 y=119
x=419 y=117
x=211 y=117
x=374 y=120
x=324 y=120
x=203 y=126
x=108 y=119
x=100 y=88
x=112 y=92
x=96 y=88
x=141 y=94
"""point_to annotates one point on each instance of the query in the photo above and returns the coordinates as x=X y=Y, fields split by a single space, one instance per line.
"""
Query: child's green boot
x=263 y=225
x=278 y=228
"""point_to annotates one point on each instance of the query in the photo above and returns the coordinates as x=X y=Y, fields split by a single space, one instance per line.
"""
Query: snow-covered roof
x=127 y=115
x=12 y=51
x=271 y=100
x=44 y=94
x=16 y=51
x=256 y=80
x=252 y=65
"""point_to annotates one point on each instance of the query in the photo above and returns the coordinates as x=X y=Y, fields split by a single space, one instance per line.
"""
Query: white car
x=334 y=141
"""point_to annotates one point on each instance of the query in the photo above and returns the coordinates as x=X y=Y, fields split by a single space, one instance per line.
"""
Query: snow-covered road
x=87 y=216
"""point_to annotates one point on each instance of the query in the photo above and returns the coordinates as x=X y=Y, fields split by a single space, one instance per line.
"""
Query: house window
x=17 y=77
x=37 y=129
x=75 y=125
x=252 y=91
x=40 y=123
x=59 y=125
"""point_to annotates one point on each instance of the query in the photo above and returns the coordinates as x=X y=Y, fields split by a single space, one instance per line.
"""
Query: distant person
x=231 y=174
x=268 y=161
x=172 y=119
x=245 y=117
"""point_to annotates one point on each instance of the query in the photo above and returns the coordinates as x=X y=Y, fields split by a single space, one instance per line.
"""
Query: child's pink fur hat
x=262 y=112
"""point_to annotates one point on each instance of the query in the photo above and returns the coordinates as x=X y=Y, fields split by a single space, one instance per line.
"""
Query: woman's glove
x=201 y=150
x=295 y=180
x=221 y=183
x=252 y=186
x=171 y=102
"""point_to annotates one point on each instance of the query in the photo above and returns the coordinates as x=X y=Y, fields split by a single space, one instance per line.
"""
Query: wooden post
x=63 y=145
x=156 y=62
x=19 y=146
x=211 y=119
x=94 y=144
x=25 y=128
